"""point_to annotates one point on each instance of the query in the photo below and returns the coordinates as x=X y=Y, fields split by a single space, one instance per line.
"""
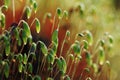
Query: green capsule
x=89 y=38
x=52 y=52
x=7 y=49
x=37 y=25
x=81 y=35
x=35 y=6
x=25 y=59
x=81 y=9
x=59 y=12
x=30 y=68
x=16 y=33
x=102 y=42
x=49 y=78
x=101 y=55
x=19 y=41
x=7 y=45
x=36 y=77
x=49 y=15
x=26 y=28
x=68 y=33
x=24 y=37
x=59 y=63
x=55 y=37
x=67 y=77
x=88 y=58
x=29 y=77
x=85 y=44
x=6 y=2
x=43 y=48
x=4 y=7
x=31 y=2
x=20 y=57
x=50 y=58
x=2 y=19
x=71 y=56
x=32 y=54
x=64 y=64
x=76 y=47
x=20 y=67
x=6 y=69
x=110 y=39
x=95 y=67
x=65 y=13
x=33 y=47
x=28 y=12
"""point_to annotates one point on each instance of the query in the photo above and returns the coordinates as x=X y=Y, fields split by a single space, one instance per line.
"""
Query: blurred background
x=98 y=16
